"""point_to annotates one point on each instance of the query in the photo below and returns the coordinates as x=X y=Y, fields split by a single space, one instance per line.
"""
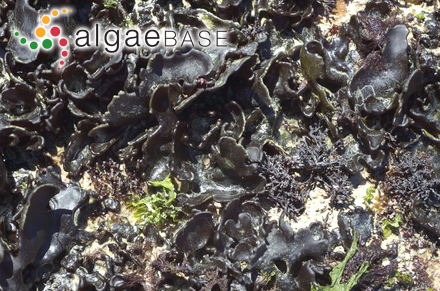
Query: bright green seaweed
x=156 y=208
x=389 y=225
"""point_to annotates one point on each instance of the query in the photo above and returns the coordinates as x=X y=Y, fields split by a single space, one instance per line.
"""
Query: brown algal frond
x=373 y=61
x=410 y=179
x=377 y=274
x=374 y=32
x=109 y=179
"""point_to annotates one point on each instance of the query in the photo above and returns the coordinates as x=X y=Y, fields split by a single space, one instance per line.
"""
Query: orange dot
x=55 y=13
x=64 y=10
x=70 y=10
x=45 y=19
x=40 y=32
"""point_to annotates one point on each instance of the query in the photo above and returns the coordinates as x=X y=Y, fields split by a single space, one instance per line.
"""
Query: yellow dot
x=55 y=13
x=40 y=32
x=64 y=10
x=45 y=19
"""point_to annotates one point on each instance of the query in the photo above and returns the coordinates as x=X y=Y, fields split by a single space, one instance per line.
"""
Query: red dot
x=63 y=42
x=55 y=31
x=64 y=53
x=58 y=68
x=62 y=63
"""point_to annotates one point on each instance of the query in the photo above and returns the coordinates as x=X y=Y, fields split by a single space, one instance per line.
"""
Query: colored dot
x=64 y=53
x=55 y=31
x=16 y=34
x=23 y=40
x=58 y=68
x=70 y=10
x=64 y=10
x=62 y=63
x=63 y=42
x=45 y=19
x=47 y=43
x=13 y=28
x=55 y=13
x=40 y=32
x=33 y=45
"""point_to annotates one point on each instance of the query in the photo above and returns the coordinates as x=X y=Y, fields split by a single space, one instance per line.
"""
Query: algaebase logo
x=112 y=40
x=47 y=34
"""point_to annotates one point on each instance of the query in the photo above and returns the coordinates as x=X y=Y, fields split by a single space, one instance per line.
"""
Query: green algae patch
x=369 y=195
x=388 y=225
x=157 y=207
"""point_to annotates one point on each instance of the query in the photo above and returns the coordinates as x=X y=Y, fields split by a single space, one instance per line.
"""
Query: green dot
x=13 y=28
x=16 y=34
x=47 y=43
x=33 y=45
x=23 y=40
